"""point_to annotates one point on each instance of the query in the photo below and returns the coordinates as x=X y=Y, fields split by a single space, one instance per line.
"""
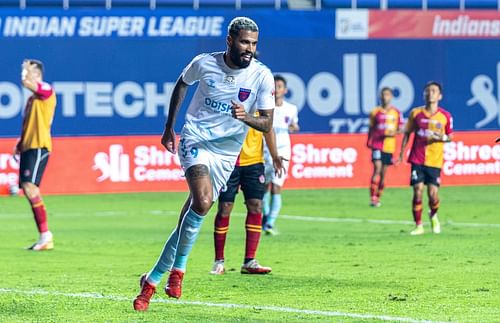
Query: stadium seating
x=329 y=4
x=144 y=3
x=413 y=4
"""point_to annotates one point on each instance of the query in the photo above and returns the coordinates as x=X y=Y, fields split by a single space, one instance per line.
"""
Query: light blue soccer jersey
x=209 y=118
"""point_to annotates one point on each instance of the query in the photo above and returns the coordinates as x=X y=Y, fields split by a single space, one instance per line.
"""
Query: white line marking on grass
x=304 y=218
x=221 y=305
x=375 y=221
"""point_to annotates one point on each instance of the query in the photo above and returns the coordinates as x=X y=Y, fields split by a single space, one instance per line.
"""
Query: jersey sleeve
x=448 y=129
x=265 y=94
x=192 y=72
x=44 y=90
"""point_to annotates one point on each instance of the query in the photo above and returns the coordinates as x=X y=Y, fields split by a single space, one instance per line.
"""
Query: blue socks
x=177 y=248
x=189 y=230
x=266 y=203
x=166 y=259
x=275 y=210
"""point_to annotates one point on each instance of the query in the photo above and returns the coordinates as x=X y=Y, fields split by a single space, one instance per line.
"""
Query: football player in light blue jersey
x=232 y=86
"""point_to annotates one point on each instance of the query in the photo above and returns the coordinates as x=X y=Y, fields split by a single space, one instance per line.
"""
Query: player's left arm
x=263 y=122
x=294 y=124
x=41 y=89
x=278 y=166
x=294 y=127
x=265 y=105
x=447 y=134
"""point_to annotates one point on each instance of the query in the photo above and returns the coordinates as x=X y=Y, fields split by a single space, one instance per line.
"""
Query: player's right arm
x=190 y=75
x=410 y=127
x=265 y=105
x=278 y=166
x=178 y=95
x=371 y=127
x=27 y=77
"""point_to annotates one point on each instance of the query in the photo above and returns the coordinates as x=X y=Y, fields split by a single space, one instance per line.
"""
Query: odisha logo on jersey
x=218 y=106
x=244 y=94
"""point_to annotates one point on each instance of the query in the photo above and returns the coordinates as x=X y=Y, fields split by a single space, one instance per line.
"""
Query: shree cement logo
x=146 y=164
x=312 y=162
x=466 y=160
x=8 y=169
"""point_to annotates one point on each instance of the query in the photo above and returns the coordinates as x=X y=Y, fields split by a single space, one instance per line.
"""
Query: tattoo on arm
x=197 y=171
x=263 y=122
x=178 y=95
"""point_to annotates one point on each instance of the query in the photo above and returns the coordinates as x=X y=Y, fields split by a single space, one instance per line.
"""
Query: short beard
x=236 y=59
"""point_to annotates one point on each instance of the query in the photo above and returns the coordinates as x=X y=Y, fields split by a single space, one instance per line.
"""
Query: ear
x=229 y=40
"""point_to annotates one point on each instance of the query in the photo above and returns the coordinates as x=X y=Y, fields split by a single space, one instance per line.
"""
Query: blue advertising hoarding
x=114 y=70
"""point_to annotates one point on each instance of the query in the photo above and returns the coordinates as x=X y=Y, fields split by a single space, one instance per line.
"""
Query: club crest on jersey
x=229 y=79
x=244 y=94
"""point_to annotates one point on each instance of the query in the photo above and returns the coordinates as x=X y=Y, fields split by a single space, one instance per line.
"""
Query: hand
x=17 y=148
x=168 y=140
x=239 y=111
x=400 y=159
x=390 y=133
x=434 y=137
x=279 y=168
x=27 y=69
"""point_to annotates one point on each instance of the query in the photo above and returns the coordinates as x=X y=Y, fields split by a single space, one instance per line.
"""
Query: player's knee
x=225 y=209
x=254 y=206
x=202 y=204
x=417 y=194
x=276 y=189
x=30 y=190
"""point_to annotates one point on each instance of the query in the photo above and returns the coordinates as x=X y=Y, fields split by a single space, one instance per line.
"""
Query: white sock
x=45 y=236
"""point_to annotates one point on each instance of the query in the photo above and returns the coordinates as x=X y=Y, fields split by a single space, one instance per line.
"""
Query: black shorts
x=385 y=158
x=425 y=174
x=251 y=179
x=32 y=165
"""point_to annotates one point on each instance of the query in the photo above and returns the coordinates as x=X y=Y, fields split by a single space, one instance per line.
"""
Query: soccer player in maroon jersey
x=432 y=127
x=385 y=123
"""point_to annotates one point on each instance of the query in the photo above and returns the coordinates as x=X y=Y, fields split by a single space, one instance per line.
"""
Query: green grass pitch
x=349 y=262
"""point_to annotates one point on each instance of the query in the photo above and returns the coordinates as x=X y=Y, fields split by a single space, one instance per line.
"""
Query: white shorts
x=271 y=177
x=220 y=167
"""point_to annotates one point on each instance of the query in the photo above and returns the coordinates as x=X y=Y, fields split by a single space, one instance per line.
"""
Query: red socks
x=374 y=187
x=40 y=214
x=221 y=228
x=417 y=211
x=254 y=229
x=434 y=206
x=380 y=189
